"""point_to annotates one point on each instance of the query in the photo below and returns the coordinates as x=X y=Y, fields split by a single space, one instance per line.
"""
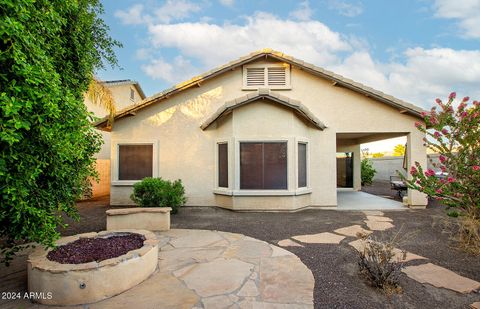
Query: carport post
x=416 y=152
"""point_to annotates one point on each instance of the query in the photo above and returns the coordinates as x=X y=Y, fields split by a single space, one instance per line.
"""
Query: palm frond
x=101 y=96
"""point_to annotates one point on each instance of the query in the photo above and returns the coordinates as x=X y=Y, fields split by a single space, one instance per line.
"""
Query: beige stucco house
x=259 y=133
x=125 y=93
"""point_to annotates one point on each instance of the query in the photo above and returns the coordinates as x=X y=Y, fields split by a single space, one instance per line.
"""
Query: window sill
x=120 y=183
x=302 y=191
x=222 y=191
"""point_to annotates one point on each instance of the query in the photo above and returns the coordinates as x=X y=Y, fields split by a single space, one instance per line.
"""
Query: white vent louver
x=277 y=76
x=255 y=77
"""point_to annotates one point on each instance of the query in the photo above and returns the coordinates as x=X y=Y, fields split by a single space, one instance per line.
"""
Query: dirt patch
x=85 y=250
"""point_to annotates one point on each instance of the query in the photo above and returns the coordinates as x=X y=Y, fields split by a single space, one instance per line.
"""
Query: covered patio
x=358 y=200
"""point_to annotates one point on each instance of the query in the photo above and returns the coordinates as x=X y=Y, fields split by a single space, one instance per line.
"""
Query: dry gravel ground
x=337 y=282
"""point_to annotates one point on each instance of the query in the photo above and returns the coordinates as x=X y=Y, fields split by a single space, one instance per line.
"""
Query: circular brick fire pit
x=74 y=284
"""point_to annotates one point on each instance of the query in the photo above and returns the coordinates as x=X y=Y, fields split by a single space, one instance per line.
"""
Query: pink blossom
x=465 y=99
x=437 y=134
x=433 y=120
x=418 y=124
x=476 y=103
x=444 y=131
x=443 y=168
x=430 y=173
x=452 y=96
x=413 y=171
x=442 y=158
x=423 y=114
x=451 y=179
x=476 y=168
x=464 y=114
x=439 y=191
x=438 y=101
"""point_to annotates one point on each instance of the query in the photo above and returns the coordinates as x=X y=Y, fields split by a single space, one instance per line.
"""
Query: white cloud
x=467 y=13
x=175 y=10
x=214 y=44
x=424 y=75
x=131 y=16
x=171 y=10
x=227 y=2
x=304 y=12
x=178 y=69
x=345 y=8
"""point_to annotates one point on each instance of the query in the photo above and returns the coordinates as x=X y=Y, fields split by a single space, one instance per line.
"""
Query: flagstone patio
x=212 y=269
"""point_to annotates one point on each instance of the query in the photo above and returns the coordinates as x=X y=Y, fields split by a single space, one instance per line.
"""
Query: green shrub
x=156 y=192
x=49 y=50
x=367 y=172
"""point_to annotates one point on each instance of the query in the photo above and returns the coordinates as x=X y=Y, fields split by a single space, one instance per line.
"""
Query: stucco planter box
x=75 y=284
x=145 y=218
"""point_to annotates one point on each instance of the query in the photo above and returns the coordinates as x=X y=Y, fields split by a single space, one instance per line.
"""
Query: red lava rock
x=85 y=250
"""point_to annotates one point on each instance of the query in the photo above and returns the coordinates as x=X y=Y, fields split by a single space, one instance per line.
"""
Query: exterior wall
x=188 y=153
x=387 y=166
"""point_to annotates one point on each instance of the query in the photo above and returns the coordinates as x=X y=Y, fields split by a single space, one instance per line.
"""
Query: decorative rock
x=321 y=238
x=441 y=278
x=286 y=280
x=288 y=243
x=352 y=231
x=379 y=226
x=217 y=277
x=249 y=289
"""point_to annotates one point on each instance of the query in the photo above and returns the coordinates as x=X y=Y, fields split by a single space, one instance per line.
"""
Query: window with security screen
x=273 y=76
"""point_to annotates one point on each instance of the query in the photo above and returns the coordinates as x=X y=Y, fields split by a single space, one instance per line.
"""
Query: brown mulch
x=85 y=250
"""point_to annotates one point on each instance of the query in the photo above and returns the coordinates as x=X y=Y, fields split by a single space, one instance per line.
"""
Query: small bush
x=156 y=192
x=378 y=264
x=367 y=172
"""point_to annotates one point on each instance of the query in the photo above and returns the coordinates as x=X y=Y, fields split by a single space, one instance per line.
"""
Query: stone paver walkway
x=377 y=221
x=441 y=277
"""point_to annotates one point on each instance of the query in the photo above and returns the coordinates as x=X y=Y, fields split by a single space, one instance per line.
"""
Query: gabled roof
x=337 y=80
x=126 y=82
x=264 y=94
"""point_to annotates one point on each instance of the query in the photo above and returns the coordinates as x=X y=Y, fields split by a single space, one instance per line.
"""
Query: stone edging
x=127 y=211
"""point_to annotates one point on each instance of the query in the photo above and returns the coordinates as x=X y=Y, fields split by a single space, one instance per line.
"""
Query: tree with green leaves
x=399 y=150
x=49 y=50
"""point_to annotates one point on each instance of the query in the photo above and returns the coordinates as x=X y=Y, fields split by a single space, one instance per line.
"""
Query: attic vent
x=277 y=76
x=255 y=77
x=274 y=76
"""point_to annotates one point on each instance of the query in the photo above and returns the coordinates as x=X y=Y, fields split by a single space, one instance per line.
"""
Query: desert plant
x=454 y=134
x=380 y=265
x=157 y=192
x=367 y=172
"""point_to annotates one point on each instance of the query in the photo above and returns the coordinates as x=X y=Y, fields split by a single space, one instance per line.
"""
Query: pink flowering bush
x=453 y=133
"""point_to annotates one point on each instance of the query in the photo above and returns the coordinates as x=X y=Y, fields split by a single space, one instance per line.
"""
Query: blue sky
x=416 y=50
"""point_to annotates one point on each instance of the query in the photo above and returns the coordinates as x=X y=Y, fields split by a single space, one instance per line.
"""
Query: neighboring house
x=259 y=133
x=125 y=93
